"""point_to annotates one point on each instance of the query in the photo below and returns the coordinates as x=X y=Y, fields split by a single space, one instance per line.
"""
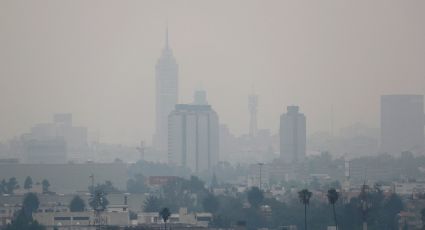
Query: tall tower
x=252 y=107
x=166 y=95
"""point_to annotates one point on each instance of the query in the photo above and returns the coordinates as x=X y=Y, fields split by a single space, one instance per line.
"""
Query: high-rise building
x=252 y=106
x=402 y=124
x=292 y=135
x=193 y=137
x=166 y=95
x=55 y=142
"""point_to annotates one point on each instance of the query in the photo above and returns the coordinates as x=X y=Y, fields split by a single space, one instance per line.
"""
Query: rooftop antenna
x=167 y=46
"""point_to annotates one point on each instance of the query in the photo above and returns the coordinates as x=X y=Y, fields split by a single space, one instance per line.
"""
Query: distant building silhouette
x=166 y=94
x=200 y=98
x=292 y=135
x=402 y=123
x=193 y=137
x=56 y=142
x=252 y=106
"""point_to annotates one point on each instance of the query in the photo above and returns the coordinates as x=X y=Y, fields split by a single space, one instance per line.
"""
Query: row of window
x=73 y=218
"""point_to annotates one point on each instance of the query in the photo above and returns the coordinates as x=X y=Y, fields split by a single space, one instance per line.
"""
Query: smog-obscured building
x=193 y=137
x=292 y=135
x=402 y=124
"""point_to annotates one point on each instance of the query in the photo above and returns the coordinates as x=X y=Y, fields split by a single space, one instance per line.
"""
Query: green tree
x=28 y=183
x=137 y=185
x=106 y=187
x=22 y=222
x=165 y=215
x=210 y=203
x=77 y=204
x=45 y=185
x=152 y=204
x=30 y=204
x=333 y=196
x=3 y=186
x=255 y=197
x=304 y=196
x=99 y=202
x=11 y=185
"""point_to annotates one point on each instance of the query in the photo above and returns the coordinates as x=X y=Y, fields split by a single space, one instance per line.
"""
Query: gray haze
x=96 y=59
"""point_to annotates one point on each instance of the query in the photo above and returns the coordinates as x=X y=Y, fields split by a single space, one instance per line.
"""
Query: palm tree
x=165 y=214
x=304 y=196
x=333 y=196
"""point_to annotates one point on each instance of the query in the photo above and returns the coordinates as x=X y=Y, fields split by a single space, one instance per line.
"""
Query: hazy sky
x=97 y=59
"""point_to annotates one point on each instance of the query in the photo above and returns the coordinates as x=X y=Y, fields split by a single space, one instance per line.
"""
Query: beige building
x=81 y=220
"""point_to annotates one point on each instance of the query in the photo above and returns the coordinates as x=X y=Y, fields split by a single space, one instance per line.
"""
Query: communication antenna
x=141 y=150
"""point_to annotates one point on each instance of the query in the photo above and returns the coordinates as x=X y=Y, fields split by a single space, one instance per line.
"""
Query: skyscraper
x=292 y=135
x=193 y=139
x=166 y=94
x=402 y=123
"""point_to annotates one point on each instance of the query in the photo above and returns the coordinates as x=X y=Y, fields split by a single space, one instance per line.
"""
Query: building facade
x=193 y=137
x=402 y=124
x=166 y=95
x=292 y=135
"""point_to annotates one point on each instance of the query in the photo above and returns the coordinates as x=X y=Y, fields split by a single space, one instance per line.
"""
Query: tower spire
x=166 y=35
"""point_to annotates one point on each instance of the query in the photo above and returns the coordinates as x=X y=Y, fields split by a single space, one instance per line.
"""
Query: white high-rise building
x=292 y=135
x=166 y=95
x=193 y=137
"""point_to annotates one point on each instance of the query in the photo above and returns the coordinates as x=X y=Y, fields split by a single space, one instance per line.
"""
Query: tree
x=165 y=214
x=11 y=185
x=77 y=204
x=22 y=222
x=3 y=186
x=99 y=202
x=45 y=185
x=333 y=196
x=28 y=183
x=136 y=185
x=255 y=197
x=30 y=204
x=152 y=204
x=106 y=187
x=210 y=203
x=304 y=196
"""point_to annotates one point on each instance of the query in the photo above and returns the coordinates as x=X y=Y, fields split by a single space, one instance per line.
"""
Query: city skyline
x=101 y=68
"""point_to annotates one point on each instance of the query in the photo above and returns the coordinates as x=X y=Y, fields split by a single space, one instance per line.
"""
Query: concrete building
x=82 y=220
x=193 y=137
x=402 y=124
x=182 y=217
x=292 y=135
x=55 y=142
x=166 y=95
